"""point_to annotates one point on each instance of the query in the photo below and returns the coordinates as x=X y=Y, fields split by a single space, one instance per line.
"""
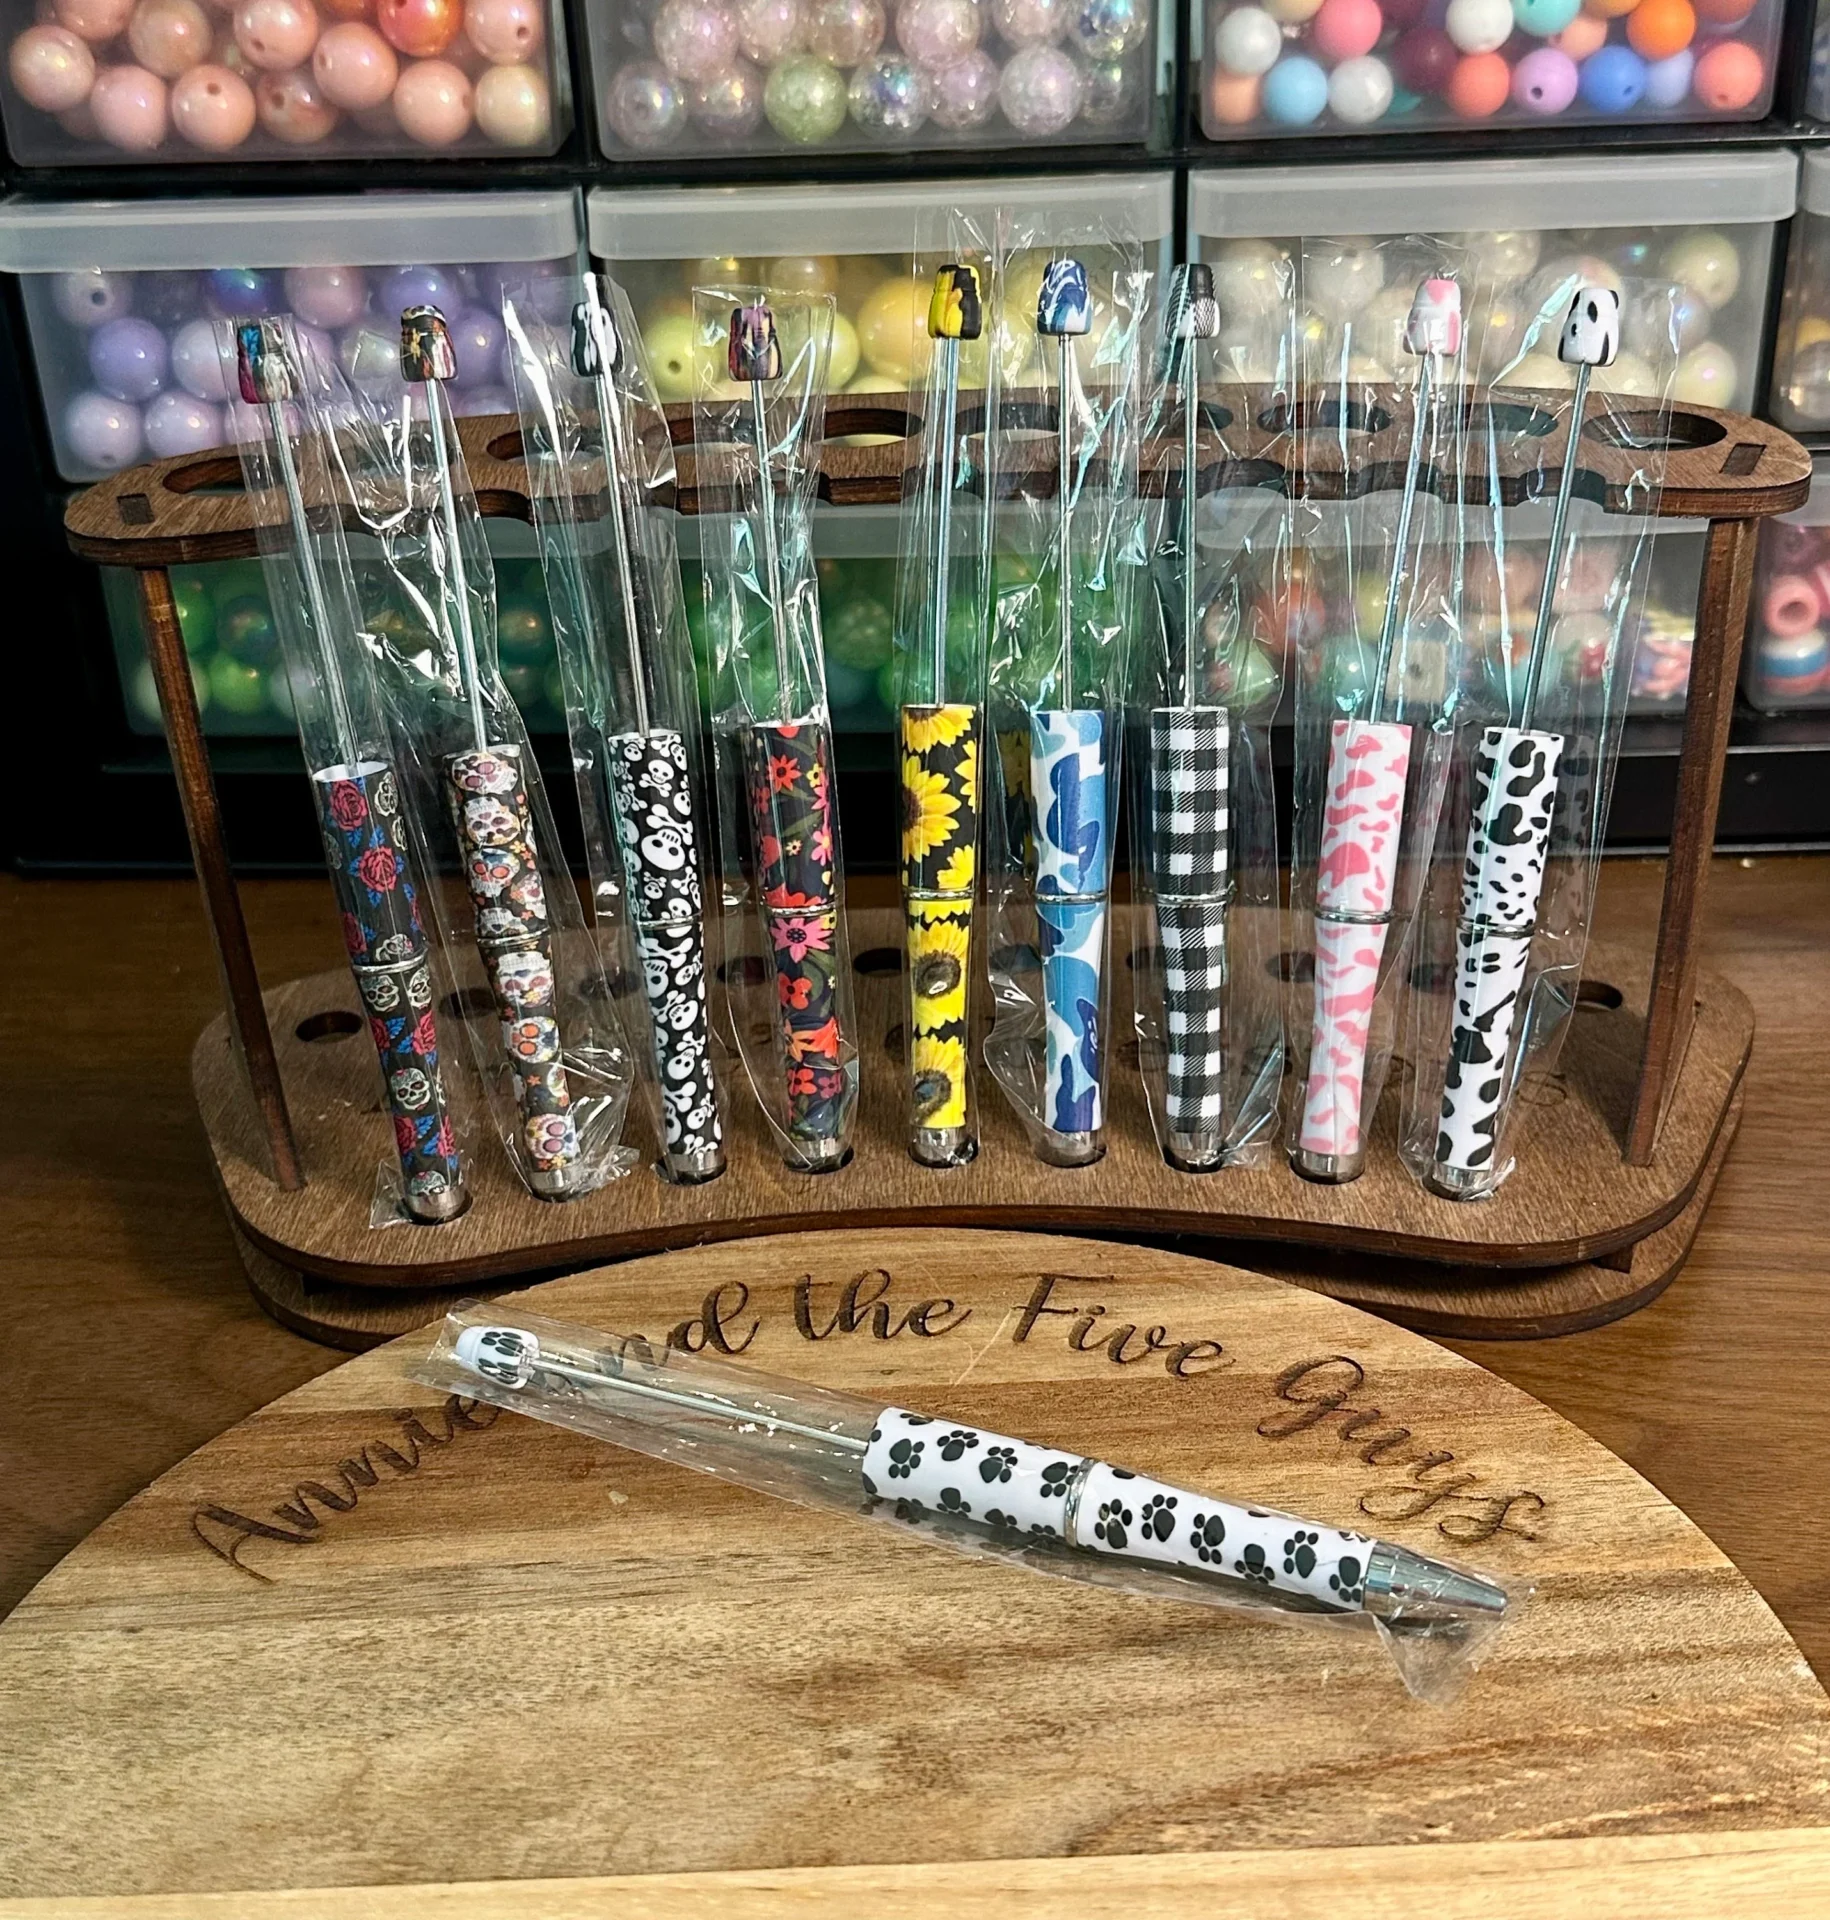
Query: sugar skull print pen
x=1515 y=794
x=958 y=1485
x=366 y=840
x=1363 y=820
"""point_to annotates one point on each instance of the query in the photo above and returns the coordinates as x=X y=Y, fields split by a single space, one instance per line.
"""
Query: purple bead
x=417 y=287
x=545 y=283
x=1545 y=81
x=1040 y=91
x=103 y=434
x=476 y=339
x=241 y=293
x=645 y=105
x=180 y=423
x=128 y=359
x=167 y=299
x=89 y=296
x=197 y=361
x=964 y=94
x=482 y=400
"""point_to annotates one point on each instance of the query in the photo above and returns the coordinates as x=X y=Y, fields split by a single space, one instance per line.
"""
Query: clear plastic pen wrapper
x=1207 y=673
x=1376 y=630
x=1555 y=586
x=602 y=468
x=1067 y=536
x=757 y=423
x=535 y=999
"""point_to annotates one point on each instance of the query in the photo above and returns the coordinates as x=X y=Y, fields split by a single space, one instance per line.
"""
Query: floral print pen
x=940 y=791
x=788 y=770
x=1073 y=825
x=359 y=809
x=984 y=1493
x=495 y=826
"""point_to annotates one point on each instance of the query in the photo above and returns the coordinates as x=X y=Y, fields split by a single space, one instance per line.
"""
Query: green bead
x=858 y=632
x=196 y=610
x=236 y=686
x=553 y=688
x=523 y=633
x=245 y=630
x=524 y=684
x=805 y=100
x=231 y=579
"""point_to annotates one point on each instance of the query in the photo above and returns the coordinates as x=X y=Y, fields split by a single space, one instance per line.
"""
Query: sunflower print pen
x=940 y=798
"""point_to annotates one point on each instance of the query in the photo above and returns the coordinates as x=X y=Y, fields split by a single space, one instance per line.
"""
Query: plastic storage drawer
x=176 y=82
x=1296 y=67
x=1800 y=396
x=1786 y=664
x=121 y=299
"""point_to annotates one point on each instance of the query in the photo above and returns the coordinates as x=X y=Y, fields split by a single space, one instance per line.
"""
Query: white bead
x=1360 y=90
x=1248 y=41
x=1479 y=26
x=1251 y=279
x=1340 y=277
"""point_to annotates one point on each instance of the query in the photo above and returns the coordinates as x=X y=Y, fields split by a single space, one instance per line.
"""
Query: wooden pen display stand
x=1612 y=1176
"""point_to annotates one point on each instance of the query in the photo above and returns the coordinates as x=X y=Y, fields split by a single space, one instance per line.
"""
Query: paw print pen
x=1067 y=758
x=940 y=796
x=977 y=1491
x=789 y=763
x=1189 y=747
x=1363 y=823
x=651 y=796
x=1515 y=787
x=495 y=823
x=359 y=813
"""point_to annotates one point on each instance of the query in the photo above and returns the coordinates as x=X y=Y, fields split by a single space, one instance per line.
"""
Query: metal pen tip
x=1408 y=1589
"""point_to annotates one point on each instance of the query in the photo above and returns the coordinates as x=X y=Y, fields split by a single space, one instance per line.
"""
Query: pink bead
x=213 y=108
x=846 y=32
x=433 y=103
x=1820 y=585
x=1040 y=91
x=355 y=67
x=937 y=32
x=513 y=107
x=505 y=31
x=292 y=107
x=327 y=296
x=51 y=68
x=694 y=39
x=129 y=108
x=1029 y=23
x=770 y=30
x=965 y=92
x=169 y=37
x=277 y=35
x=1791 y=606
x=1345 y=29
x=94 y=20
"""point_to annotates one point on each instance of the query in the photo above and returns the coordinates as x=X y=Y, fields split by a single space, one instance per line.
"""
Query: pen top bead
x=262 y=371
x=425 y=346
x=1591 y=333
x=506 y=1355
x=1065 y=303
x=1191 y=311
x=1434 y=325
x=595 y=346
x=956 y=311
x=755 y=352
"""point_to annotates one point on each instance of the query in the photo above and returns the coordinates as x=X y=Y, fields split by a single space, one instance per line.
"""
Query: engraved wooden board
x=1572 y=1198
x=370 y=1637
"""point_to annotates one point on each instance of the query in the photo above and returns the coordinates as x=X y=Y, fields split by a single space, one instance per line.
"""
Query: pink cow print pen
x=1363 y=827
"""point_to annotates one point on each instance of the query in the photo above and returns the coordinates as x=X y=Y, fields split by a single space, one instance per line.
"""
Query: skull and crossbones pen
x=950 y=1482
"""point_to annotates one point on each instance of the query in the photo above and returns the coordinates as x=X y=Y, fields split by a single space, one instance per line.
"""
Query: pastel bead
x=213 y=108
x=1232 y=99
x=964 y=92
x=197 y=361
x=1820 y=581
x=355 y=67
x=88 y=296
x=434 y=103
x=729 y=105
x=293 y=108
x=1545 y=81
x=1295 y=91
x=103 y=433
x=1360 y=91
x=1792 y=666
x=805 y=100
x=1708 y=263
x=1292 y=13
x=1345 y=29
x=1584 y=35
x=848 y=32
x=1706 y=376
x=129 y=359
x=514 y=107
x=129 y=105
x=505 y=31
x=645 y=106
x=241 y=293
x=476 y=343
x=1023 y=23
x=1479 y=86
x=1479 y=26
x=1613 y=80
x=95 y=21
x=418 y=287
x=1791 y=606
x=422 y=29
x=770 y=30
x=1668 y=81
x=51 y=68
x=1542 y=18
x=1248 y=41
x=1039 y=91
x=169 y=37
x=276 y=35
x=178 y=423
x=1730 y=77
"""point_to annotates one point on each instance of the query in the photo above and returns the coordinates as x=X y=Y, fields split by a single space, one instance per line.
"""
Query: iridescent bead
x=805 y=100
x=770 y=30
x=964 y=93
x=1040 y=91
x=1030 y=23
x=1111 y=92
x=730 y=104
x=889 y=95
x=694 y=39
x=937 y=32
x=1108 y=29
x=844 y=31
x=645 y=105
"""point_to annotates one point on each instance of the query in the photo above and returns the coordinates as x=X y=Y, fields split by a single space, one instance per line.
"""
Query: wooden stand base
x=1576 y=1237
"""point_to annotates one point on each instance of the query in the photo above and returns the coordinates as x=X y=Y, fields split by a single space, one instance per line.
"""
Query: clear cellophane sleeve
x=1497 y=984
x=1053 y=751
x=533 y=997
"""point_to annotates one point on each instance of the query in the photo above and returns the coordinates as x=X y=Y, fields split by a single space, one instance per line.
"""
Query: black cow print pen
x=1515 y=779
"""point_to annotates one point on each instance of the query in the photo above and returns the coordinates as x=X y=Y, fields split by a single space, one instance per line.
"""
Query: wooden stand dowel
x=241 y=987
x=1728 y=575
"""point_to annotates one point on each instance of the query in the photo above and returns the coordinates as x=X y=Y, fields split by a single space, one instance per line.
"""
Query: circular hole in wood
x=336 y=1023
x=216 y=473
x=1654 y=432
x=508 y=447
x=747 y=971
x=468 y=1003
x=877 y=960
x=1296 y=967
x=1508 y=416
x=1598 y=993
x=1324 y=416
